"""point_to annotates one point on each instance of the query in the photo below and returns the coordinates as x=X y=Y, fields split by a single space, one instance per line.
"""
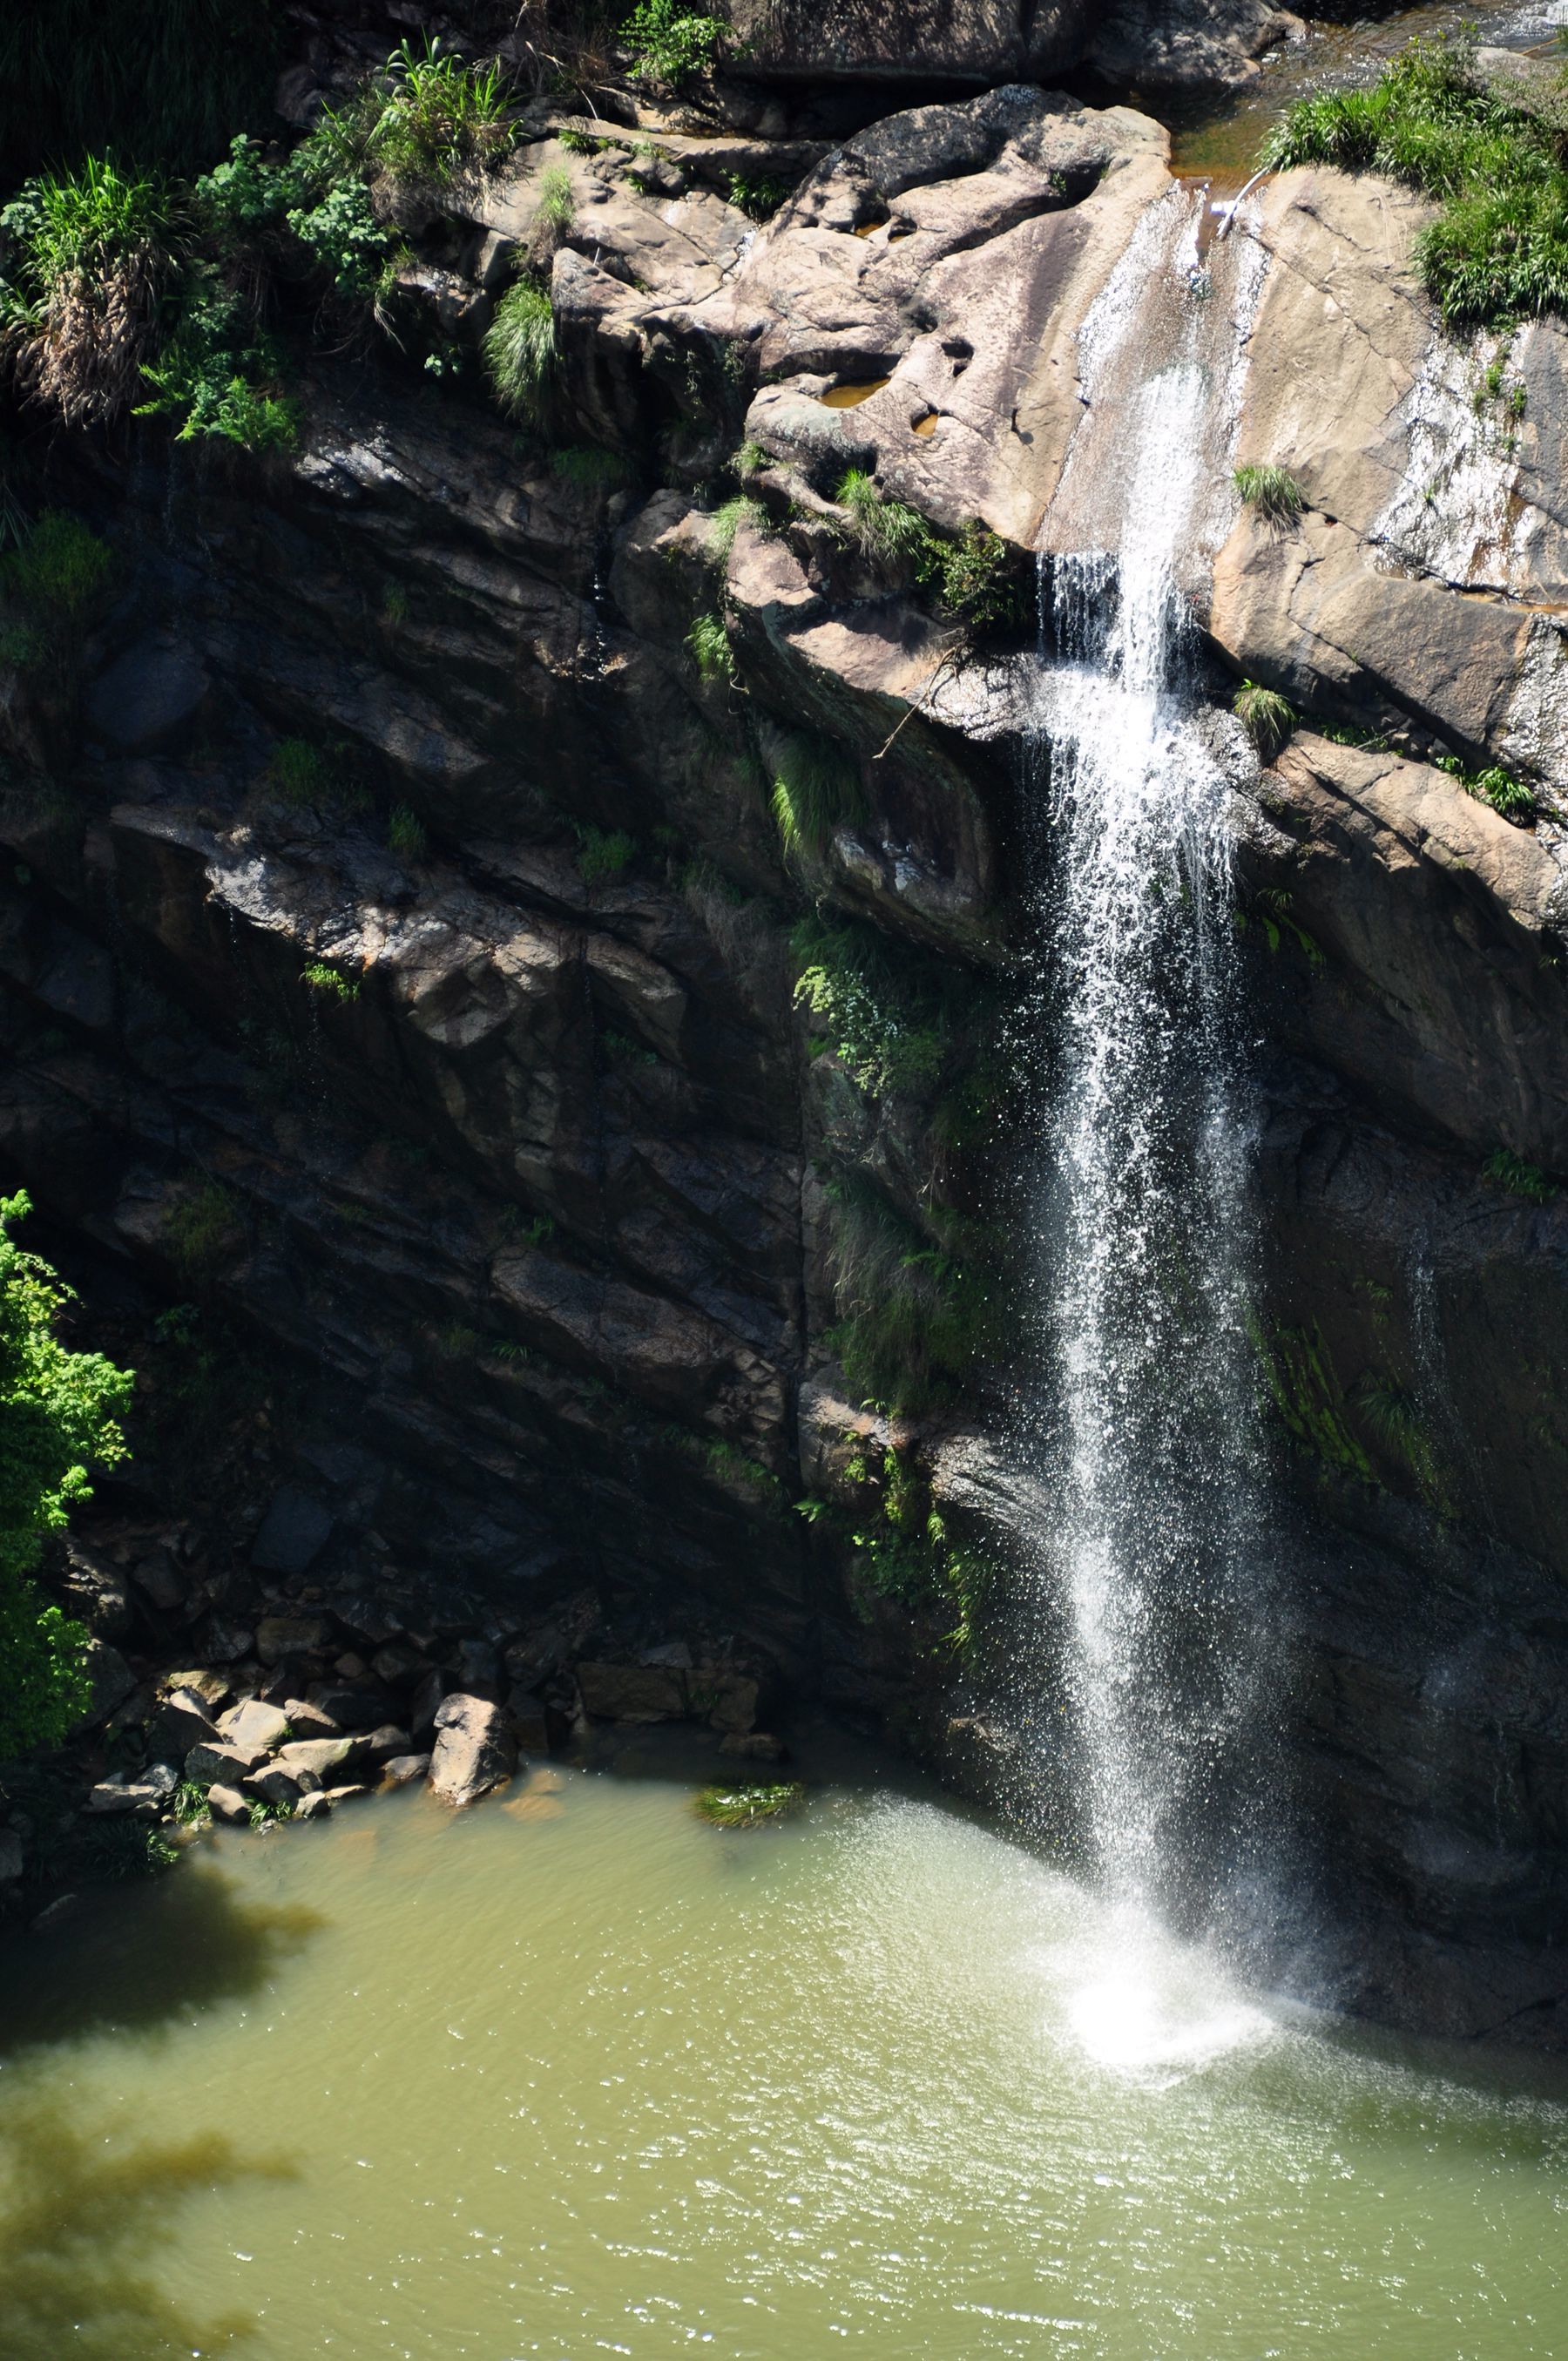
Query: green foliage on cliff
x=1509 y=797
x=1498 y=249
x=1272 y=492
x=887 y=1033
x=816 y=788
x=972 y=578
x=51 y=582
x=84 y=266
x=59 y=1414
x=672 y=42
x=1267 y=718
x=520 y=353
x=425 y=119
x=912 y=1316
x=708 y=641
x=1519 y=1179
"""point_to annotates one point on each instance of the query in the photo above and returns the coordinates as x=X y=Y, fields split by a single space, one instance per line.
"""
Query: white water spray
x=1146 y=1436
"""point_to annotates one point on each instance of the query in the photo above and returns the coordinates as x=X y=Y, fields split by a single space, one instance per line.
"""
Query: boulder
x=754 y=1746
x=319 y=1756
x=382 y=1745
x=227 y=1804
x=632 y=1692
x=180 y=1722
x=111 y=1680
x=733 y=1695
x=277 y=1636
x=160 y=1582
x=313 y=1806
x=141 y=1797
x=475 y=1749
x=293 y=1532
x=350 y=1707
x=307 y=1719
x=255 y=1724
x=401 y=1769
x=93 y=1589
x=208 y=1688
x=425 y=1701
x=149 y=697
x=10 y=1856
x=529 y=1726
x=229 y=1764
x=273 y=1785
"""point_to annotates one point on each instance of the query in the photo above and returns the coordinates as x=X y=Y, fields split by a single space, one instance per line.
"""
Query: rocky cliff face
x=548 y=1206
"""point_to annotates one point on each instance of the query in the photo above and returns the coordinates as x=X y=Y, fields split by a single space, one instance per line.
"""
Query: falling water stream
x=1140 y=1423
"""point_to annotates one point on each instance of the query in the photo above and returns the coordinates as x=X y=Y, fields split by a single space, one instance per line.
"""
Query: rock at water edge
x=475 y=1749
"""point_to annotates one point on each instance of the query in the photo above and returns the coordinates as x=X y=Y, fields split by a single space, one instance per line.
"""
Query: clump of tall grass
x=1268 y=718
x=1273 y=494
x=1498 y=248
x=87 y=262
x=888 y=531
x=425 y=120
x=816 y=788
x=709 y=640
x=521 y=352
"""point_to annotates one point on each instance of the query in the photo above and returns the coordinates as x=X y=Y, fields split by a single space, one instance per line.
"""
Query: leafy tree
x=59 y=1416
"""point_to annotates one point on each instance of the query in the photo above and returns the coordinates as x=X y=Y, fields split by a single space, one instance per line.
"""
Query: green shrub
x=520 y=353
x=748 y=1806
x=343 y=239
x=601 y=855
x=89 y=265
x=59 y=1414
x=709 y=640
x=203 y=1229
x=672 y=42
x=974 y=578
x=321 y=976
x=1268 y=718
x=889 y=1037
x=56 y=573
x=1269 y=909
x=759 y=199
x=1519 y=1179
x=426 y=118
x=817 y=789
x=298 y=775
x=1274 y=493
x=1498 y=249
x=406 y=833
x=1509 y=795
x=219 y=374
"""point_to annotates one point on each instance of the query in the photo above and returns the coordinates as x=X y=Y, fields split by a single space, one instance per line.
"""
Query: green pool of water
x=578 y=2074
x=1222 y=135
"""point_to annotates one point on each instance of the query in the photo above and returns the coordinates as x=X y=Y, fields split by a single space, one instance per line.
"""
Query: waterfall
x=1143 y=1428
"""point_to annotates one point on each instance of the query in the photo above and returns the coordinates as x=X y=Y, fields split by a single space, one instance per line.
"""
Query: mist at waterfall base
x=576 y=2074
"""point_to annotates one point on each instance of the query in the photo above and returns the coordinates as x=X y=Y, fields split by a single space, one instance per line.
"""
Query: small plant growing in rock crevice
x=1268 y=718
x=406 y=834
x=1508 y=796
x=203 y=1229
x=1273 y=494
x=724 y=525
x=709 y=642
x=1519 y=1179
x=603 y=853
x=817 y=789
x=520 y=353
x=320 y=976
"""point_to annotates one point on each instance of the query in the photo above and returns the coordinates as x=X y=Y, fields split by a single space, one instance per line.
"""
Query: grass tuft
x=817 y=789
x=708 y=641
x=1268 y=718
x=1518 y=1179
x=1274 y=493
x=1508 y=796
x=521 y=352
